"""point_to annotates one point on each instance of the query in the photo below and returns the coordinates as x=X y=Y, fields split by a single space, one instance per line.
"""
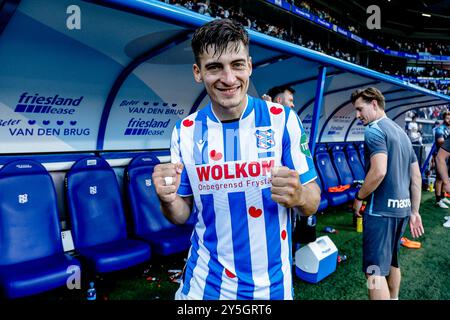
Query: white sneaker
x=447 y=224
x=447 y=217
x=445 y=200
x=442 y=205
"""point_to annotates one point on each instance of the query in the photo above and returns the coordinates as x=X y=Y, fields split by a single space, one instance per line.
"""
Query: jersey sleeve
x=375 y=140
x=185 y=189
x=296 y=154
x=439 y=134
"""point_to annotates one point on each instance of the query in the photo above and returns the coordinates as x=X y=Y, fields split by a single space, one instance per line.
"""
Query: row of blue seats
x=32 y=259
x=339 y=165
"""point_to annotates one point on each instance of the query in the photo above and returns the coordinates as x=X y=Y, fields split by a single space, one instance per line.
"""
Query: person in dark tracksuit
x=392 y=188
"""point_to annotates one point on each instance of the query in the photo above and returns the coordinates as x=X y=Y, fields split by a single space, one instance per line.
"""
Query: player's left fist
x=286 y=188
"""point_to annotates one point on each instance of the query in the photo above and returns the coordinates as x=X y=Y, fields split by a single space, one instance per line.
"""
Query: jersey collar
x=378 y=120
x=248 y=109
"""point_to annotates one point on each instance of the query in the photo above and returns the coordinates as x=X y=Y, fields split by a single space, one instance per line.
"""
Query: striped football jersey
x=241 y=244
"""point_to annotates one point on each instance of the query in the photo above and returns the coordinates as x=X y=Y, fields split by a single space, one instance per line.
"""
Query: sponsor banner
x=424 y=79
x=336 y=128
x=55 y=82
x=233 y=176
x=410 y=55
x=34 y=120
x=281 y=3
x=298 y=11
x=324 y=23
x=302 y=13
x=392 y=52
x=380 y=49
x=356 y=38
x=356 y=132
x=369 y=44
x=142 y=122
x=343 y=31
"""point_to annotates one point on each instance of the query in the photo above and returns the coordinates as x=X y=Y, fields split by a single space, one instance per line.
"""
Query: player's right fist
x=166 y=179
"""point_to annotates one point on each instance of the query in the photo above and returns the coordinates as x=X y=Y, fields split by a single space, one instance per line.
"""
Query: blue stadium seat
x=343 y=170
x=354 y=163
x=149 y=223
x=98 y=220
x=328 y=177
x=32 y=258
x=323 y=198
x=360 y=147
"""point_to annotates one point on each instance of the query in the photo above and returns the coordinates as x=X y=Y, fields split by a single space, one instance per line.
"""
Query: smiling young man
x=392 y=187
x=240 y=164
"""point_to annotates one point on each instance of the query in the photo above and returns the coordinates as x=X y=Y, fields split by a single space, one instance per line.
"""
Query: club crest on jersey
x=265 y=139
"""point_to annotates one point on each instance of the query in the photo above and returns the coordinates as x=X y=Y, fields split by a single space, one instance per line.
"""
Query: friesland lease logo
x=304 y=148
x=36 y=103
x=265 y=139
x=142 y=127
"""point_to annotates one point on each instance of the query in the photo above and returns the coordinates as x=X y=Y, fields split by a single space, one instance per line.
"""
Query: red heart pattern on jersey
x=229 y=274
x=255 y=213
x=276 y=110
x=188 y=123
x=215 y=155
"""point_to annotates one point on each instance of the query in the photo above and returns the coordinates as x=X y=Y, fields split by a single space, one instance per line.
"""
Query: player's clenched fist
x=286 y=188
x=166 y=179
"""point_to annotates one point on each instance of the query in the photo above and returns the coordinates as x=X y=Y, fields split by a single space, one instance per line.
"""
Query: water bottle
x=312 y=220
x=359 y=220
x=359 y=224
x=91 y=293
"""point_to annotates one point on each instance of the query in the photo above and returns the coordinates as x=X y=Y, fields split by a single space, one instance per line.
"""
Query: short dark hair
x=273 y=92
x=368 y=95
x=446 y=113
x=219 y=34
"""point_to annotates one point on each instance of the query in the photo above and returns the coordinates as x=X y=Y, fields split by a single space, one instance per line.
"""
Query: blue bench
x=343 y=170
x=148 y=221
x=97 y=218
x=354 y=163
x=360 y=147
x=328 y=177
x=32 y=258
x=323 y=198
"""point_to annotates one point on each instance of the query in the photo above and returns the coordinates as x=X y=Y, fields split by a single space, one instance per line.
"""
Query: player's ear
x=197 y=73
x=250 y=66
x=374 y=105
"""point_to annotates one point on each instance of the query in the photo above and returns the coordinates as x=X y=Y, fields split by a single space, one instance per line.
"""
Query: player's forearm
x=415 y=187
x=371 y=182
x=177 y=211
x=310 y=199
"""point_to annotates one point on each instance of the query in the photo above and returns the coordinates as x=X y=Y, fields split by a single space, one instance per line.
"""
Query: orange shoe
x=410 y=244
